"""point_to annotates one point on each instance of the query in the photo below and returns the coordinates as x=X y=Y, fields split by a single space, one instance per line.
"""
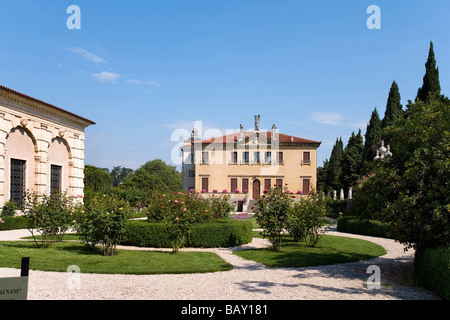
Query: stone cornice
x=15 y=100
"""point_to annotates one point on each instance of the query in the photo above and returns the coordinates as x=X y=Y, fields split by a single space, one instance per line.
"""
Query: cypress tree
x=335 y=166
x=373 y=136
x=322 y=173
x=394 y=108
x=352 y=160
x=431 y=88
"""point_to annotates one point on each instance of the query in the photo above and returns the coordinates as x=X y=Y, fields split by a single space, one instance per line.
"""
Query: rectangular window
x=306 y=157
x=246 y=157
x=234 y=157
x=279 y=183
x=280 y=158
x=205 y=184
x=192 y=155
x=267 y=184
x=256 y=157
x=55 y=178
x=306 y=186
x=245 y=185
x=17 y=187
x=191 y=173
x=268 y=157
x=234 y=184
x=205 y=157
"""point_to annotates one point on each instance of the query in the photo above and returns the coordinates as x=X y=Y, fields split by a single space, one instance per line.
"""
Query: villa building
x=41 y=147
x=245 y=163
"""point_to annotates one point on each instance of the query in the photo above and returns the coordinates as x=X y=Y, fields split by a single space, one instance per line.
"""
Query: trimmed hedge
x=372 y=228
x=432 y=270
x=221 y=234
x=13 y=223
x=141 y=233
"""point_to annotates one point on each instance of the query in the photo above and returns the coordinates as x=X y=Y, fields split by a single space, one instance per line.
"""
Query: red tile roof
x=282 y=138
x=46 y=103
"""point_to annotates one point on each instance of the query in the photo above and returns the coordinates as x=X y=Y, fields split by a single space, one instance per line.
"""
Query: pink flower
x=182 y=202
x=184 y=209
x=206 y=211
x=176 y=218
x=176 y=201
x=164 y=195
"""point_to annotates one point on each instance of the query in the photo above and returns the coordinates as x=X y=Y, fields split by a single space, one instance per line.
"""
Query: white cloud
x=327 y=118
x=146 y=82
x=106 y=76
x=152 y=83
x=132 y=81
x=86 y=54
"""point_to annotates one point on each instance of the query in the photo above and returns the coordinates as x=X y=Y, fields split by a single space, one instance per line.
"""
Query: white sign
x=13 y=288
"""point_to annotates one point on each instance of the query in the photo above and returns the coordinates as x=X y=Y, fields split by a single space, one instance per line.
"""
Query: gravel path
x=247 y=281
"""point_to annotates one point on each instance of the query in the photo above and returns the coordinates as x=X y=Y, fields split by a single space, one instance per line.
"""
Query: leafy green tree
x=96 y=179
x=143 y=180
x=118 y=174
x=410 y=189
x=431 y=88
x=166 y=173
x=422 y=158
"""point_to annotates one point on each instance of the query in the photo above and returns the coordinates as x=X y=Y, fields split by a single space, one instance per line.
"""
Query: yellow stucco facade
x=245 y=163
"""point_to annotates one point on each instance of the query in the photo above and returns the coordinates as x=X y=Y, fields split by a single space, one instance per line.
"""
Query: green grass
x=62 y=255
x=330 y=250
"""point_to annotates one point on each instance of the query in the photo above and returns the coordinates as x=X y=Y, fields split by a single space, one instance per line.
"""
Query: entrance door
x=256 y=189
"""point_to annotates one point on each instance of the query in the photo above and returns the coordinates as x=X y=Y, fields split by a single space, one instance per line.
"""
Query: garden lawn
x=330 y=250
x=63 y=254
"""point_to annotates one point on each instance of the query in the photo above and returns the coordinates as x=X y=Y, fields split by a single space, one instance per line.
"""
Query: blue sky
x=142 y=69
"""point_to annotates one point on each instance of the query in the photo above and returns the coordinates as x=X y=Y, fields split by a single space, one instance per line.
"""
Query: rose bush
x=179 y=210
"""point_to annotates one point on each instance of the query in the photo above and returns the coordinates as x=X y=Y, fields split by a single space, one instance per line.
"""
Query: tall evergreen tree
x=372 y=137
x=394 y=108
x=322 y=173
x=431 y=88
x=335 y=166
x=352 y=160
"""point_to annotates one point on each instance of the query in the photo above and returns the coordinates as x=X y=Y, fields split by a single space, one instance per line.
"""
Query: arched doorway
x=20 y=164
x=256 y=189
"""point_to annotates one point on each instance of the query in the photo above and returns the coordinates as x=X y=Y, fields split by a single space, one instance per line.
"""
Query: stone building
x=41 y=147
x=245 y=163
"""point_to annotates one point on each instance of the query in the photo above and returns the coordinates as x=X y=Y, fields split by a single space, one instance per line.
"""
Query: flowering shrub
x=102 y=222
x=49 y=215
x=224 y=191
x=272 y=214
x=307 y=219
x=9 y=209
x=179 y=210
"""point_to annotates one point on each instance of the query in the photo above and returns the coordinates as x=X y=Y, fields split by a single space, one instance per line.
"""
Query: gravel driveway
x=247 y=281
